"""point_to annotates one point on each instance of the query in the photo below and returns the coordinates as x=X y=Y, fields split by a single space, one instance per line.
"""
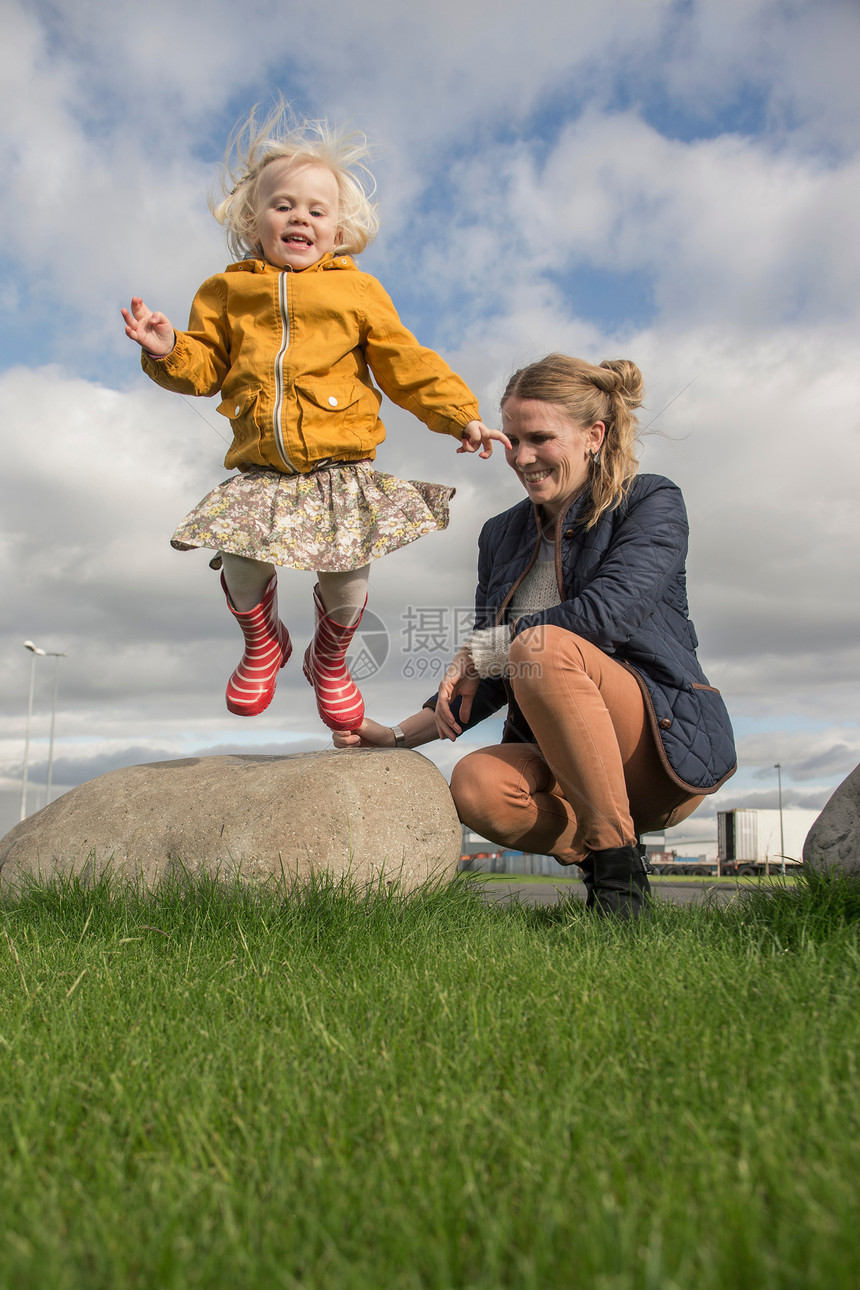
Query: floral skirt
x=334 y=519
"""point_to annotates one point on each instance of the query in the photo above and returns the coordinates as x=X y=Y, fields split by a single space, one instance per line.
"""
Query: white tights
x=343 y=594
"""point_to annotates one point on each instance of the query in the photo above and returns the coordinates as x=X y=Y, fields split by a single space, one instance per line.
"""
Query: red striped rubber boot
x=339 y=700
x=267 y=648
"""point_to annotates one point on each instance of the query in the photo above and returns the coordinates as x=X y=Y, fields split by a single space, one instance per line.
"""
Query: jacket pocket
x=240 y=408
x=237 y=406
x=337 y=416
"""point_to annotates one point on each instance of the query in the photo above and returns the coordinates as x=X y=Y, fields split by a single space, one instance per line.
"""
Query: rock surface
x=833 y=842
x=370 y=813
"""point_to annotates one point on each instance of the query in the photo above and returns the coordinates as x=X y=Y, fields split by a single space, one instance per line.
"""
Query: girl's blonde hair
x=280 y=136
x=608 y=392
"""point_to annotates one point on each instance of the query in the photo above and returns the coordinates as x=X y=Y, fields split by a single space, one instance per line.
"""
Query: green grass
x=216 y=1087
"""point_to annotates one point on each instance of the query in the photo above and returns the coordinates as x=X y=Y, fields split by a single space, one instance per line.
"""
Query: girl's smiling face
x=298 y=220
x=549 y=451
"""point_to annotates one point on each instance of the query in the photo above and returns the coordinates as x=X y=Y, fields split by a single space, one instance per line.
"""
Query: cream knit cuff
x=490 y=649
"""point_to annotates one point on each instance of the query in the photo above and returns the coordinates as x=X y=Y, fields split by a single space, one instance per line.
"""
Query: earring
x=595 y=459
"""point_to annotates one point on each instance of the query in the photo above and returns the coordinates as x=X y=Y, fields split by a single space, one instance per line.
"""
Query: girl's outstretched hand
x=478 y=436
x=152 y=331
x=460 y=679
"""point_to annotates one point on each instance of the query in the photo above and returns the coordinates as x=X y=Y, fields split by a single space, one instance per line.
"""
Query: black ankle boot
x=619 y=883
x=587 y=867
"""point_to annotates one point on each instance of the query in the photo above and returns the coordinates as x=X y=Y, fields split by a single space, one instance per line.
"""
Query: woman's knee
x=526 y=646
x=538 y=654
x=470 y=781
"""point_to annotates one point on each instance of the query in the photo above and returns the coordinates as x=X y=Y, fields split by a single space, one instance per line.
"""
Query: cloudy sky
x=673 y=181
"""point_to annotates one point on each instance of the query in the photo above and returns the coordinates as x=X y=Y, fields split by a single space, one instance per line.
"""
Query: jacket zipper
x=283 y=304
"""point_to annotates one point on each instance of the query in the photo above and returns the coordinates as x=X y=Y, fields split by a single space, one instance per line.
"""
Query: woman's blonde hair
x=608 y=392
x=280 y=136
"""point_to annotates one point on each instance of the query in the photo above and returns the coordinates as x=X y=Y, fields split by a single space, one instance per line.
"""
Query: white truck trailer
x=750 y=841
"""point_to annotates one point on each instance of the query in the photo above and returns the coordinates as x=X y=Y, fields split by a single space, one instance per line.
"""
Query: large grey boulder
x=833 y=842
x=367 y=813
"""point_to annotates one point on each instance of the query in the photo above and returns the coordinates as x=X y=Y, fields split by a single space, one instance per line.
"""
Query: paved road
x=548 y=893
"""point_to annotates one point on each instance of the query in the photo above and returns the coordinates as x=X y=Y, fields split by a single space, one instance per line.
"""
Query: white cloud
x=728 y=230
x=111 y=150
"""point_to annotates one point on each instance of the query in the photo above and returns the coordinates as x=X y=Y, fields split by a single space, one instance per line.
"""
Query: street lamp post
x=56 y=656
x=778 y=768
x=34 y=651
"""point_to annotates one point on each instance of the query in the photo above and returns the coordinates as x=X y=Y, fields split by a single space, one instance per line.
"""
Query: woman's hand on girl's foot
x=460 y=679
x=370 y=734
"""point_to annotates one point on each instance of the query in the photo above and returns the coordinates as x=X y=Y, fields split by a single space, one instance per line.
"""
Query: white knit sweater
x=490 y=647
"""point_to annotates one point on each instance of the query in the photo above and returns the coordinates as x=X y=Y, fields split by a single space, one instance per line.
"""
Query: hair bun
x=628 y=382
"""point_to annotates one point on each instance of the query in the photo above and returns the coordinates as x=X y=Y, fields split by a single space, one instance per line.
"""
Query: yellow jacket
x=292 y=352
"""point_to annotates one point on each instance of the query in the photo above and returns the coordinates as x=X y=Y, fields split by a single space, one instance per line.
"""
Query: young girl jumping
x=290 y=335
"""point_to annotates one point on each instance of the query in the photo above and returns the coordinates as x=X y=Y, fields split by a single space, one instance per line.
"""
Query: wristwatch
x=399 y=737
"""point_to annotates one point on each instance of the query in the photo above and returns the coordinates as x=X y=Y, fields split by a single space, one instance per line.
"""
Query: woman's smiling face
x=550 y=453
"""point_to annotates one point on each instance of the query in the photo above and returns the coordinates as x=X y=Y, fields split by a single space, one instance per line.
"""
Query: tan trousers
x=594 y=779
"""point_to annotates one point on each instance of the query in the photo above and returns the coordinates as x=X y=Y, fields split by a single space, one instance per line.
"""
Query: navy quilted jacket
x=623 y=588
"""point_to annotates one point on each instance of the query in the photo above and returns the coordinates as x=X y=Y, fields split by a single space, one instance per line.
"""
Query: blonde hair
x=608 y=392
x=280 y=136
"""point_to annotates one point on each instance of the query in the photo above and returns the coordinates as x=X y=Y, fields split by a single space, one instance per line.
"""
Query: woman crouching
x=582 y=630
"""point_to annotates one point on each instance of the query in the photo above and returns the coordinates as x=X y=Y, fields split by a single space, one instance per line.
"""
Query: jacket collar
x=255 y=264
x=565 y=518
